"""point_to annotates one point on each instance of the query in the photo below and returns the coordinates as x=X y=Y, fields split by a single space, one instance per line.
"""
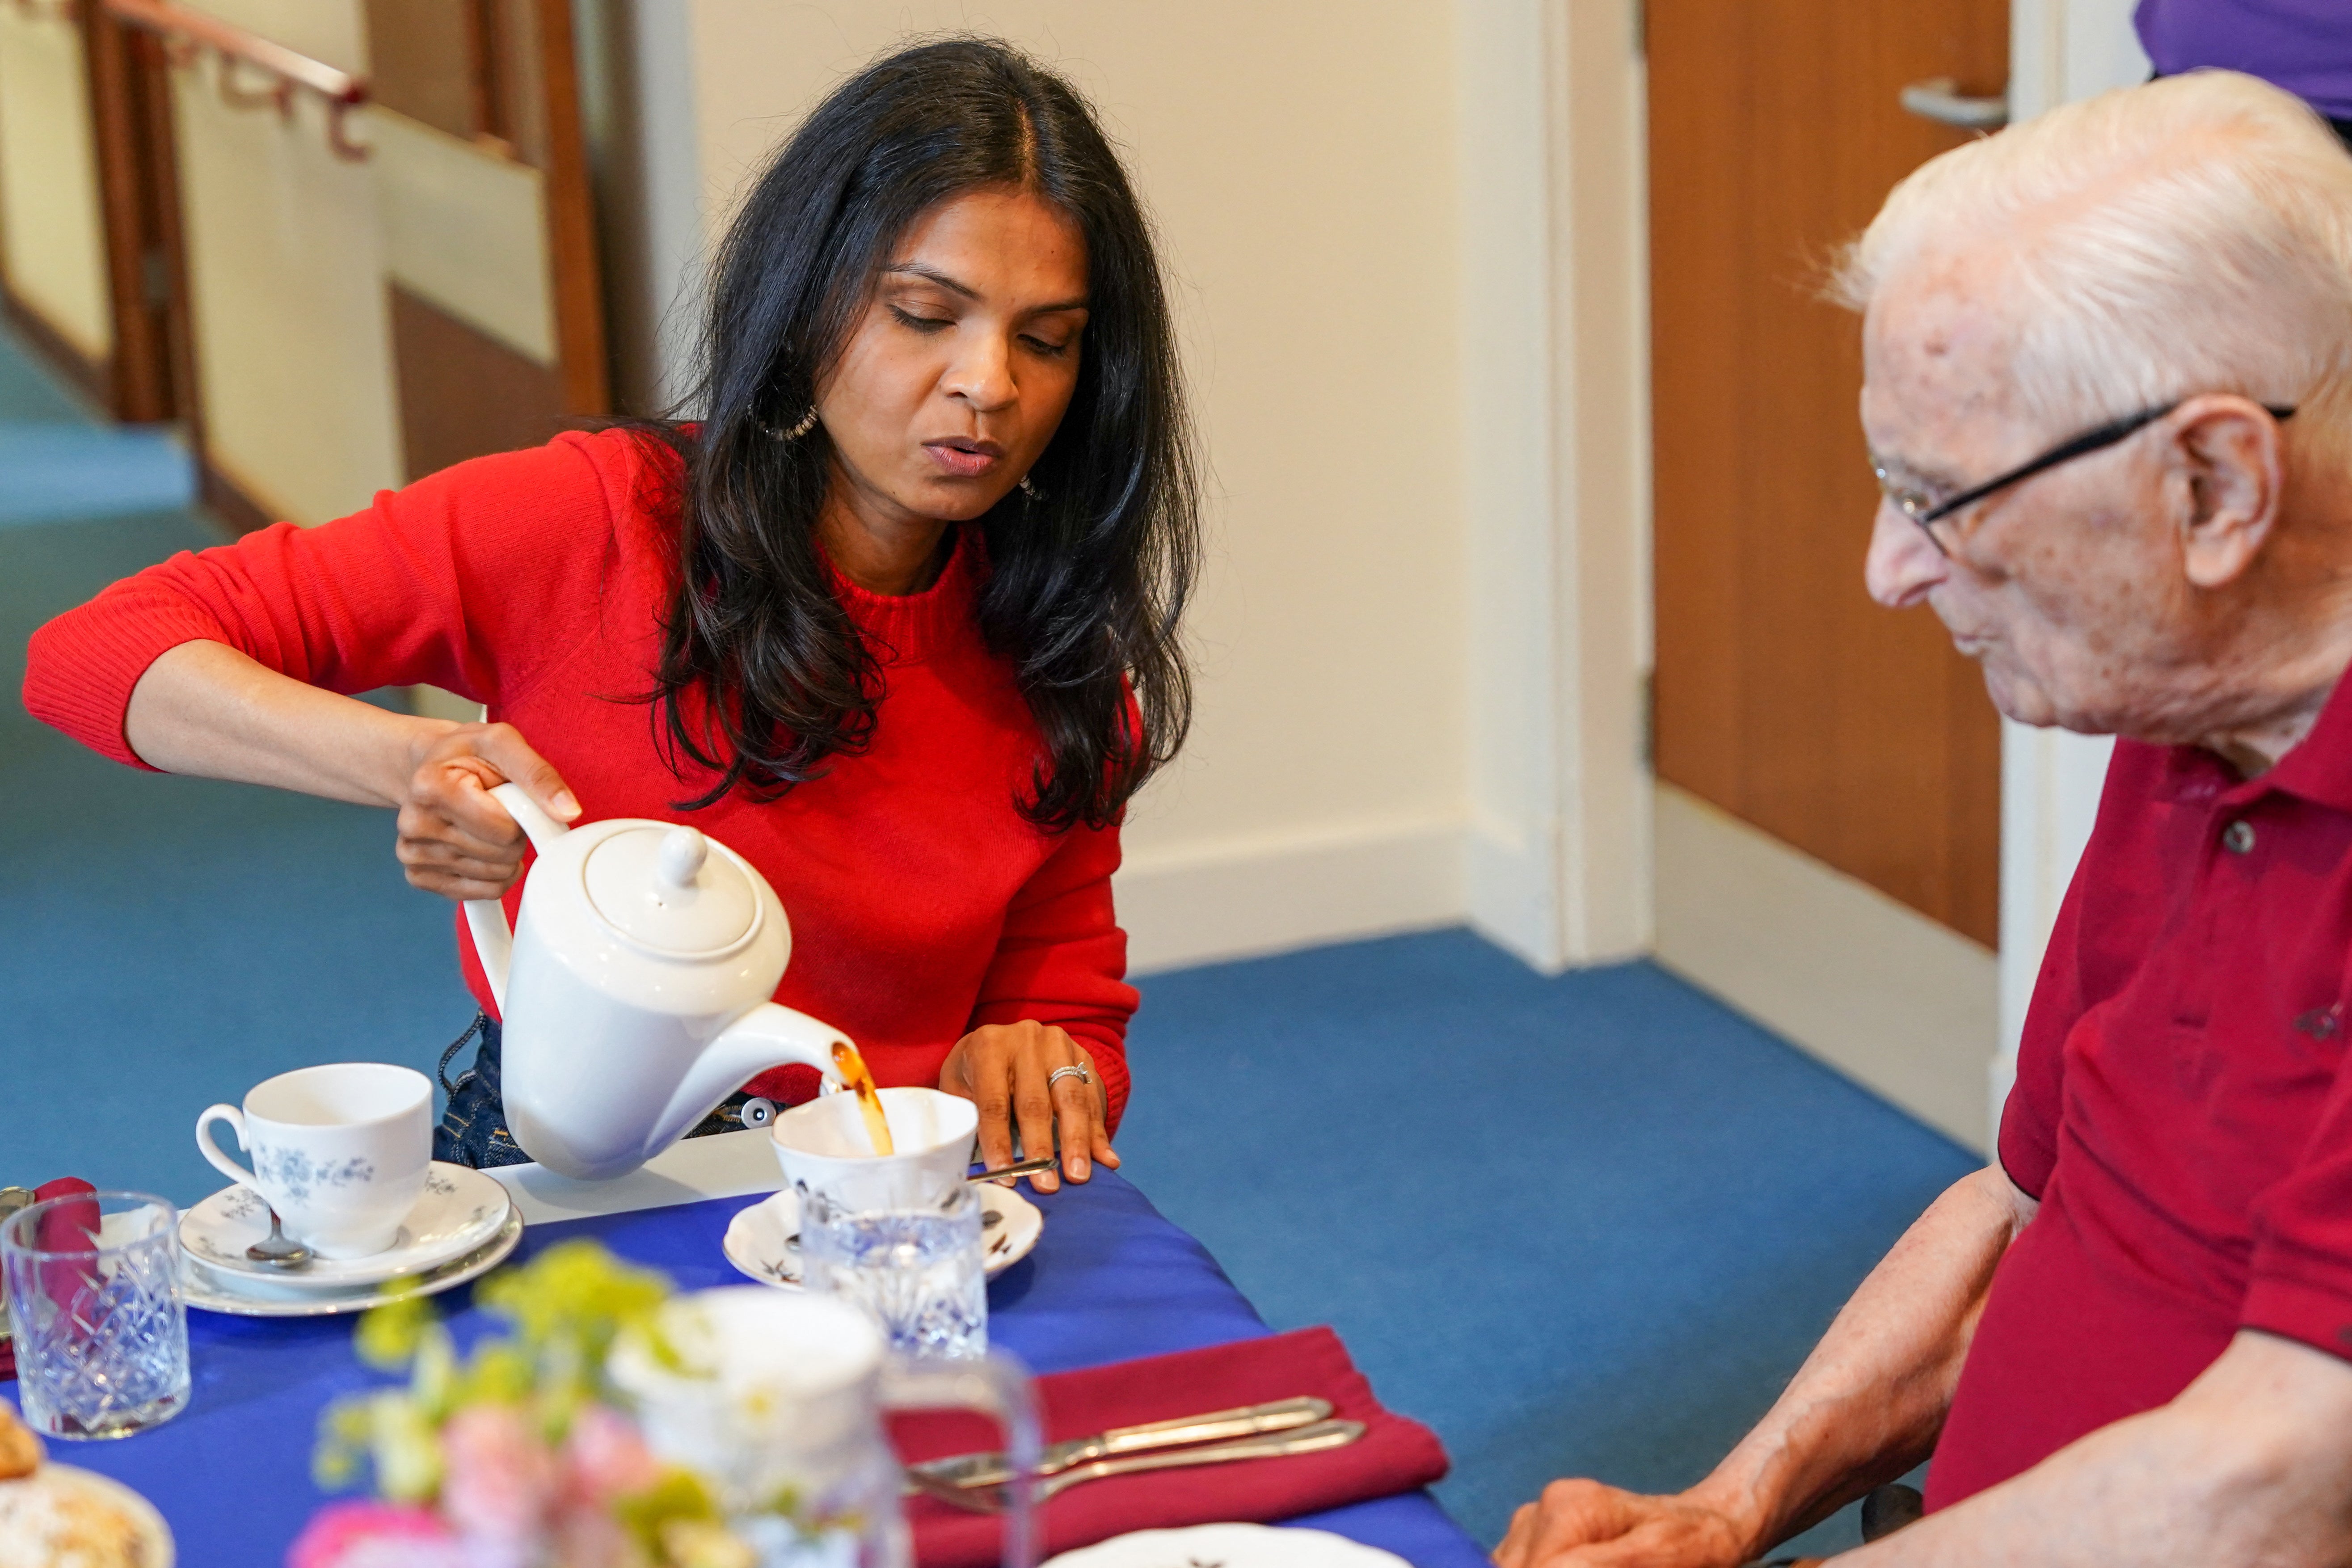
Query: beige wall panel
x=466 y=229
x=1301 y=160
x=286 y=274
x=52 y=237
x=1907 y=1006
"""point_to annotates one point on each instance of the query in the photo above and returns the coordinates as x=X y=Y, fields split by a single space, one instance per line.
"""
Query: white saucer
x=1228 y=1546
x=59 y=1480
x=217 y=1290
x=764 y=1240
x=461 y=1209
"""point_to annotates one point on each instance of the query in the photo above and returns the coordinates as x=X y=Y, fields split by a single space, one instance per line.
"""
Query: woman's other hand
x=1003 y=1068
x=456 y=841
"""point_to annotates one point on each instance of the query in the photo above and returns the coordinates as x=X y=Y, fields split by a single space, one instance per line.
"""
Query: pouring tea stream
x=635 y=989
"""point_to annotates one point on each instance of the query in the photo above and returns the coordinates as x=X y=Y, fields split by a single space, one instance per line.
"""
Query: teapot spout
x=769 y=1035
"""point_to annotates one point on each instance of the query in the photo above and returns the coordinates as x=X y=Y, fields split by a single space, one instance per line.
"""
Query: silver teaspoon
x=280 y=1250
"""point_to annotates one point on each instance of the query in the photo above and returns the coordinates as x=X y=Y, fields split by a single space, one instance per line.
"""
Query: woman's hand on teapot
x=1006 y=1069
x=456 y=841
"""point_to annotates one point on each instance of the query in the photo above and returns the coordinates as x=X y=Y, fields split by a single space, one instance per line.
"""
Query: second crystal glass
x=915 y=1268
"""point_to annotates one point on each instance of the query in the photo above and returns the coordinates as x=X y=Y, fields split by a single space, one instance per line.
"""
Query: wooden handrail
x=186 y=31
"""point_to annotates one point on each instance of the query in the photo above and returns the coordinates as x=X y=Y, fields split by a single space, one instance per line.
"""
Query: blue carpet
x=1581 y=1225
x=52 y=472
x=166 y=942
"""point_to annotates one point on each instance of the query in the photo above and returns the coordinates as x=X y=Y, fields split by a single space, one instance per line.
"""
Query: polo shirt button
x=2238 y=838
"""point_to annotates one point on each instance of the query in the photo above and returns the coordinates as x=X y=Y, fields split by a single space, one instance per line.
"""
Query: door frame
x=1556 y=460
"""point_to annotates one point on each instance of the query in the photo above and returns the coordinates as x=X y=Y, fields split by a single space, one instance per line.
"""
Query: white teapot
x=635 y=989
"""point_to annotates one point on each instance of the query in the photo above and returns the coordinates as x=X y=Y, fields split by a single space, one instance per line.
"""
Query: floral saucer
x=238 y=1295
x=764 y=1240
x=1228 y=1546
x=460 y=1210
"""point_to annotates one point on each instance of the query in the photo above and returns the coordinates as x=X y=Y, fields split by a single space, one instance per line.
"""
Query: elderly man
x=2108 y=387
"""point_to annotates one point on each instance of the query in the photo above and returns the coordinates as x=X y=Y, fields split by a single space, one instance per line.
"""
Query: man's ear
x=2226 y=452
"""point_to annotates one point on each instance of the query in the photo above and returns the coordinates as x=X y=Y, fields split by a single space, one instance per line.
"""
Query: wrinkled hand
x=457 y=841
x=1003 y=1068
x=1583 y=1524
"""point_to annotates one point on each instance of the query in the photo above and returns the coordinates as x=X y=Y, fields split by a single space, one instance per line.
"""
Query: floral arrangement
x=515 y=1456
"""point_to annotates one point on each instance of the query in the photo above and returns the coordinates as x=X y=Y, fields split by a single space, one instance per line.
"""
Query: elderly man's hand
x=1583 y=1524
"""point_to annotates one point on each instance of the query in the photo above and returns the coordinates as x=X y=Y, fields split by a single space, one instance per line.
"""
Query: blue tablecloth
x=1111 y=1280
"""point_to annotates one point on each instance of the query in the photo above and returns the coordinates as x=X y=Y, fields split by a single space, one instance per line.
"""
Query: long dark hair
x=762 y=674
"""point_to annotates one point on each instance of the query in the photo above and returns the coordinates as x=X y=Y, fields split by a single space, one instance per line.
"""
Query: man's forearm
x=206 y=709
x=2251 y=1466
x=1868 y=1402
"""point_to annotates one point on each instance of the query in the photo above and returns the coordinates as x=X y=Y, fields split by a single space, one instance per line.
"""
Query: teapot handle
x=486 y=919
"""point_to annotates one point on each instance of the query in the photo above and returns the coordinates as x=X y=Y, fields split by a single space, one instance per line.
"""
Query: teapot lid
x=663 y=886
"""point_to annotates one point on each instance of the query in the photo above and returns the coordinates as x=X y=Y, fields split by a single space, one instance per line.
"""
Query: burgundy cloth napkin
x=68 y=1227
x=1394 y=1454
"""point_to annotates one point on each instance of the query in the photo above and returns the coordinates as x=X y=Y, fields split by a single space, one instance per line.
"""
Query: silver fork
x=1312 y=1439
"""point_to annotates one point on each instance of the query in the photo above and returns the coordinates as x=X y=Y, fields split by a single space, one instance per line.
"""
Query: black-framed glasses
x=1928 y=512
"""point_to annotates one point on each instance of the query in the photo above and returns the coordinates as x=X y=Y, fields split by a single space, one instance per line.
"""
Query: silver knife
x=1308 y=1439
x=1242 y=1421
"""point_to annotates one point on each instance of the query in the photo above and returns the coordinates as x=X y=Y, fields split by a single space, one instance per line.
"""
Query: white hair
x=2191 y=235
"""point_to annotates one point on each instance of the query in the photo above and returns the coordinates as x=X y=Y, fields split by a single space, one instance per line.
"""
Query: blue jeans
x=472 y=1130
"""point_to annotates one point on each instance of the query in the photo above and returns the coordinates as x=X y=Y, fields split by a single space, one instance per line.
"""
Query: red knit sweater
x=922 y=904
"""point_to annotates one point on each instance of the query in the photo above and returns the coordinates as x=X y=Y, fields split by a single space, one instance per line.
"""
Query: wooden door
x=488 y=226
x=1784 y=695
x=154 y=375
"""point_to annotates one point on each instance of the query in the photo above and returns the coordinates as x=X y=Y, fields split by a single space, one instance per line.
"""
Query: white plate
x=217 y=1290
x=764 y=1240
x=460 y=1209
x=154 y=1536
x=1228 y=1546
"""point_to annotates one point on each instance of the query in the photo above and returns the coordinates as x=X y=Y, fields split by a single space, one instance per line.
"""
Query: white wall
x=2059 y=50
x=52 y=237
x=1374 y=217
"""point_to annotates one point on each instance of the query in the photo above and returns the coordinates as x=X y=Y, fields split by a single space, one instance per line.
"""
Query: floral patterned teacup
x=339 y=1151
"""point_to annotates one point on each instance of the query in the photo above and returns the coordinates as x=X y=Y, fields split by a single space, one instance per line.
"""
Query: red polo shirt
x=2181 y=1109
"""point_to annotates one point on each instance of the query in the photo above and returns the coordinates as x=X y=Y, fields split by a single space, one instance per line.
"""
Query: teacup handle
x=211 y=1151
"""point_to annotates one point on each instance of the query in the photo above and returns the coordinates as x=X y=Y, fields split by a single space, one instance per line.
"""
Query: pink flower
x=374 y=1535
x=586 y=1538
x=606 y=1457
x=498 y=1480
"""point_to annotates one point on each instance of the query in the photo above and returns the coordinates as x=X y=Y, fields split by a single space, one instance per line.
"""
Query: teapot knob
x=679 y=862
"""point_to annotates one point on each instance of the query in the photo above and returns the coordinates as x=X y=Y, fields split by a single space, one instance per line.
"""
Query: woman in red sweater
x=895 y=619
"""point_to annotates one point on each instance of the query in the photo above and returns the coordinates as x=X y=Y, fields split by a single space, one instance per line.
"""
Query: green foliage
x=566 y=1306
x=679 y=1496
x=571 y=1301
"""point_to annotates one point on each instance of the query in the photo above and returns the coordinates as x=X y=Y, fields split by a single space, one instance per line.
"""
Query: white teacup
x=339 y=1151
x=823 y=1147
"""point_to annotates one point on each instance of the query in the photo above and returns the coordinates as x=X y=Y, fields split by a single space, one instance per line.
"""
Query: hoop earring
x=807 y=424
x=1028 y=491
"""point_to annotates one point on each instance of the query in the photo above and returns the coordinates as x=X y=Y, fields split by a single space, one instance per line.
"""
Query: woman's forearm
x=205 y=709
x=1868 y=1402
